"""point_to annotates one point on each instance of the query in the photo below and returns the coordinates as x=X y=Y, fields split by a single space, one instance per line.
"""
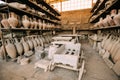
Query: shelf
x=49 y=7
x=23 y=12
x=96 y=4
x=36 y=7
x=101 y=6
x=103 y=14
x=109 y=27
x=39 y=8
x=22 y=29
x=76 y=30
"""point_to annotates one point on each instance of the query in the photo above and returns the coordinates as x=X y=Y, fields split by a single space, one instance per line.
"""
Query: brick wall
x=78 y=18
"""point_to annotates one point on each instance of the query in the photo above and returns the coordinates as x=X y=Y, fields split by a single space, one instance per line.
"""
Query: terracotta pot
x=115 y=50
x=41 y=41
x=34 y=42
x=109 y=3
x=30 y=43
x=19 y=21
x=100 y=23
x=107 y=43
x=44 y=25
x=37 y=40
x=25 y=21
x=46 y=40
x=18 y=5
x=25 y=45
x=35 y=23
x=19 y=47
x=31 y=24
x=12 y=20
x=40 y=24
x=113 y=47
x=105 y=21
x=49 y=38
x=104 y=41
x=22 y=6
x=2 y=52
x=111 y=17
x=10 y=49
x=117 y=18
x=4 y=21
x=117 y=47
x=110 y=45
x=117 y=55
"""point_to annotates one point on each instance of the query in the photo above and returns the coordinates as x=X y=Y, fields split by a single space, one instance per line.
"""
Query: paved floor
x=95 y=67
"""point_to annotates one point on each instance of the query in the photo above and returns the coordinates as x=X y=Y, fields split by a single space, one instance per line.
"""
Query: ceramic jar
x=2 y=52
x=117 y=47
x=37 y=40
x=34 y=42
x=100 y=23
x=30 y=43
x=111 y=17
x=109 y=3
x=18 y=5
x=35 y=23
x=113 y=47
x=117 y=18
x=25 y=45
x=19 y=47
x=10 y=49
x=40 y=24
x=117 y=55
x=25 y=21
x=44 y=25
x=41 y=42
x=31 y=24
x=12 y=20
x=105 y=21
x=95 y=25
x=4 y=21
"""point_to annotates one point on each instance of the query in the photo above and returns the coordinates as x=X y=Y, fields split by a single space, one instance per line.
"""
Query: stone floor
x=95 y=67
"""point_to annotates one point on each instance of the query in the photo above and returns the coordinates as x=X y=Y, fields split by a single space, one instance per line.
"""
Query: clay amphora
x=105 y=21
x=34 y=42
x=108 y=3
x=117 y=55
x=117 y=18
x=12 y=20
x=41 y=41
x=10 y=49
x=44 y=25
x=111 y=17
x=31 y=24
x=100 y=23
x=25 y=21
x=30 y=43
x=35 y=23
x=2 y=52
x=25 y=45
x=114 y=46
x=37 y=40
x=40 y=24
x=4 y=21
x=19 y=47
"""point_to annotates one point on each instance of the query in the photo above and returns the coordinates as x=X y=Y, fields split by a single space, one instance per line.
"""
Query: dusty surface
x=95 y=67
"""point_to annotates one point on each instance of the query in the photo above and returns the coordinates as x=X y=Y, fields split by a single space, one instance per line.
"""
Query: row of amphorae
x=15 y=47
x=14 y=21
x=113 y=19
